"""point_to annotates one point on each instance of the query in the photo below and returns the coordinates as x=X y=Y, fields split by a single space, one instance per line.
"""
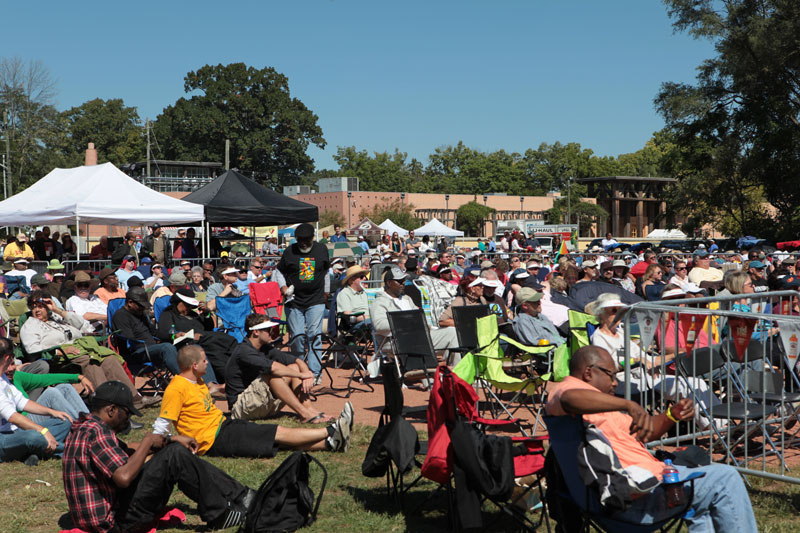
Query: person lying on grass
x=188 y=406
x=260 y=379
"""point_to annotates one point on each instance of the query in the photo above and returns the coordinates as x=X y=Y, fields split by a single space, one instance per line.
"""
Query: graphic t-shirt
x=191 y=408
x=306 y=272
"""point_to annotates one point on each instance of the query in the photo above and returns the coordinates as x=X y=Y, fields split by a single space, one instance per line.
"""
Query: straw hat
x=352 y=271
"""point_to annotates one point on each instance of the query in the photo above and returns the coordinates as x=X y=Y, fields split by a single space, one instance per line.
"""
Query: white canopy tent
x=391 y=227
x=434 y=228
x=96 y=194
x=666 y=234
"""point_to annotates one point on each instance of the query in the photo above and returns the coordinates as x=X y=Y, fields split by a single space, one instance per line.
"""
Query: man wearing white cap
x=492 y=293
x=19 y=249
x=21 y=269
x=261 y=379
x=223 y=289
x=531 y=326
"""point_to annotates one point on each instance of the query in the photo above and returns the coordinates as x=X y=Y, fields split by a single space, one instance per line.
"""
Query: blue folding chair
x=566 y=436
x=161 y=303
x=231 y=314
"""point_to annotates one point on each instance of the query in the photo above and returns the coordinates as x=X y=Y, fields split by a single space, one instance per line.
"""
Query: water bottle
x=172 y=332
x=673 y=488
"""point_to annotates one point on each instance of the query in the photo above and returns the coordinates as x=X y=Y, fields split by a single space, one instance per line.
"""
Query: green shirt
x=25 y=381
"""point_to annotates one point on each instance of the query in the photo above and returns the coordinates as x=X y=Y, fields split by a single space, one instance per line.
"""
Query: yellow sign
x=261 y=232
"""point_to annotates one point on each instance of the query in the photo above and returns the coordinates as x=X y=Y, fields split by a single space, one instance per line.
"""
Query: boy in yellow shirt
x=188 y=405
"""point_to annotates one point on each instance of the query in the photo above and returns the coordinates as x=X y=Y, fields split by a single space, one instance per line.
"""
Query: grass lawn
x=351 y=503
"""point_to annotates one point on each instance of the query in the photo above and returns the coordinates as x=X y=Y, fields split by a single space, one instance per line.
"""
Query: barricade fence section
x=735 y=356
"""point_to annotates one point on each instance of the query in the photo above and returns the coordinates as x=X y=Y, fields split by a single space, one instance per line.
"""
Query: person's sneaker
x=374 y=368
x=248 y=497
x=345 y=423
x=230 y=518
x=32 y=460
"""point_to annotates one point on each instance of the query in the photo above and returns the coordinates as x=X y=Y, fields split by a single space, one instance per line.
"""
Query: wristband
x=669 y=415
x=44 y=431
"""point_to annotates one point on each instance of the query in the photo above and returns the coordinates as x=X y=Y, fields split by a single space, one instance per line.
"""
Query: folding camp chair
x=161 y=303
x=266 y=299
x=411 y=343
x=56 y=357
x=570 y=499
x=157 y=377
x=231 y=314
x=456 y=454
x=11 y=311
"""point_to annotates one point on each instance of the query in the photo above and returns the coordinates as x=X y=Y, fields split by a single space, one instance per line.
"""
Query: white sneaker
x=344 y=424
x=318 y=380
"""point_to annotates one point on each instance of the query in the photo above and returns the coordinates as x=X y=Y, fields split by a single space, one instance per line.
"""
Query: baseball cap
x=138 y=295
x=395 y=273
x=700 y=253
x=117 y=393
x=304 y=231
x=177 y=278
x=146 y=259
x=533 y=264
x=21 y=260
x=588 y=264
x=486 y=264
x=229 y=270
x=791 y=260
x=22 y=237
x=156 y=225
x=526 y=294
x=757 y=264
x=619 y=263
x=135 y=281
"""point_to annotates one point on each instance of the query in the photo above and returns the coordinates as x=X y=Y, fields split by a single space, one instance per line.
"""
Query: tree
x=114 y=128
x=28 y=120
x=461 y=170
x=330 y=218
x=401 y=214
x=380 y=172
x=737 y=129
x=582 y=213
x=269 y=131
x=471 y=217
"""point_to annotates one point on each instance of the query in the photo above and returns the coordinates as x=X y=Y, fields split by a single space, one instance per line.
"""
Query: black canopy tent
x=235 y=200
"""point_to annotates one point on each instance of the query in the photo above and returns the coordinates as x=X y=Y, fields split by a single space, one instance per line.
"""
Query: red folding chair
x=267 y=299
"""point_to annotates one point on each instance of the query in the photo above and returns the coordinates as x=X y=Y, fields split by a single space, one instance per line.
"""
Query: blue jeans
x=721 y=502
x=167 y=354
x=18 y=445
x=61 y=397
x=309 y=321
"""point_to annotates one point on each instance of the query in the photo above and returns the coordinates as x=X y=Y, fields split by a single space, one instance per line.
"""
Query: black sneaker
x=32 y=460
x=230 y=518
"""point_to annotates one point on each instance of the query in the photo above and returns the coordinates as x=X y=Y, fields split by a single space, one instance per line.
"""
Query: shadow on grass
x=65 y=520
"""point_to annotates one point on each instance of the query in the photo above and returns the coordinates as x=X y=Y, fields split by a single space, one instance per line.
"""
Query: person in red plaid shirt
x=110 y=487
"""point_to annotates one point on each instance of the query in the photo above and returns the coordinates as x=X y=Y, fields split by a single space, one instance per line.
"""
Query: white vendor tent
x=391 y=227
x=434 y=228
x=96 y=194
x=666 y=234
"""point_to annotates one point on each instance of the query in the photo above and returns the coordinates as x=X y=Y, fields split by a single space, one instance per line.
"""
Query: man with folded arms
x=86 y=305
x=720 y=499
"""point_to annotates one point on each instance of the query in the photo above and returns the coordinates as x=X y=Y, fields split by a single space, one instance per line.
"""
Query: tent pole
x=78 y=231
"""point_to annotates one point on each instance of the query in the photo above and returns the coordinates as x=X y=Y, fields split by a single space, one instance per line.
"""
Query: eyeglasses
x=680 y=268
x=605 y=371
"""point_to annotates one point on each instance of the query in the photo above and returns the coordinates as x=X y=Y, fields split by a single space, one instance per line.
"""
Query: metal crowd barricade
x=737 y=365
x=93 y=265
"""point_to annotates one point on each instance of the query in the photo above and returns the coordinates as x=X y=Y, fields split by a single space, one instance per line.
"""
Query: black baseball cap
x=138 y=295
x=117 y=393
x=304 y=231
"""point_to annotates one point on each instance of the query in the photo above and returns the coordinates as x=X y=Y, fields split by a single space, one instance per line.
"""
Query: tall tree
x=114 y=128
x=270 y=131
x=29 y=122
x=471 y=217
x=398 y=212
x=738 y=128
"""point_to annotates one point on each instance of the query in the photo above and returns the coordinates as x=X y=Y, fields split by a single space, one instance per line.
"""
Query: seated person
x=175 y=281
x=127 y=270
x=100 y=251
x=86 y=305
x=490 y=285
x=181 y=317
x=39 y=282
x=198 y=282
x=352 y=299
x=392 y=298
x=21 y=270
x=188 y=406
x=156 y=279
x=531 y=326
x=262 y=378
x=49 y=327
x=109 y=286
x=133 y=323
x=720 y=498
x=242 y=281
x=223 y=289
x=113 y=487
x=20 y=436
x=57 y=391
x=471 y=293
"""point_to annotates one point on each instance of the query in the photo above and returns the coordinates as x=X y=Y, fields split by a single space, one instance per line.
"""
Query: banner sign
x=648 y=324
x=790 y=334
x=742 y=332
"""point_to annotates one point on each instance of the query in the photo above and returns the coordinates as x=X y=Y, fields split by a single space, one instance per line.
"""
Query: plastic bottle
x=172 y=331
x=673 y=488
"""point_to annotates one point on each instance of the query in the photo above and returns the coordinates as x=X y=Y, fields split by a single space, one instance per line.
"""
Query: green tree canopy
x=737 y=129
x=471 y=217
x=270 y=131
x=329 y=217
x=114 y=128
x=401 y=214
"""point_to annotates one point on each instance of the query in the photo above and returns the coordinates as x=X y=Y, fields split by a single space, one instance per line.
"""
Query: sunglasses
x=82 y=285
x=680 y=268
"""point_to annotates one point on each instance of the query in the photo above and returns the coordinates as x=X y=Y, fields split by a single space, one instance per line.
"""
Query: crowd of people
x=529 y=290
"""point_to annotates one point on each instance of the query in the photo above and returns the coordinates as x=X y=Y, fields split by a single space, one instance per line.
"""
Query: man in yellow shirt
x=18 y=249
x=188 y=405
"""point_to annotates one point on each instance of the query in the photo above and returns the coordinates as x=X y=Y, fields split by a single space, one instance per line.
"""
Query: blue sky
x=381 y=75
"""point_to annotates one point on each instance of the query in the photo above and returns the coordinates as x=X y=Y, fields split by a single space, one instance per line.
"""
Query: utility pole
x=5 y=187
x=147 y=127
x=8 y=159
x=227 y=154
x=569 y=201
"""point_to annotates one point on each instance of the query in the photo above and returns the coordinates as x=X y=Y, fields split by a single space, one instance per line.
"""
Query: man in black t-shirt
x=304 y=266
x=260 y=378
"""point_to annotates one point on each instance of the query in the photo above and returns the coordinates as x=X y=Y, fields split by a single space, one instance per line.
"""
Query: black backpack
x=285 y=502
